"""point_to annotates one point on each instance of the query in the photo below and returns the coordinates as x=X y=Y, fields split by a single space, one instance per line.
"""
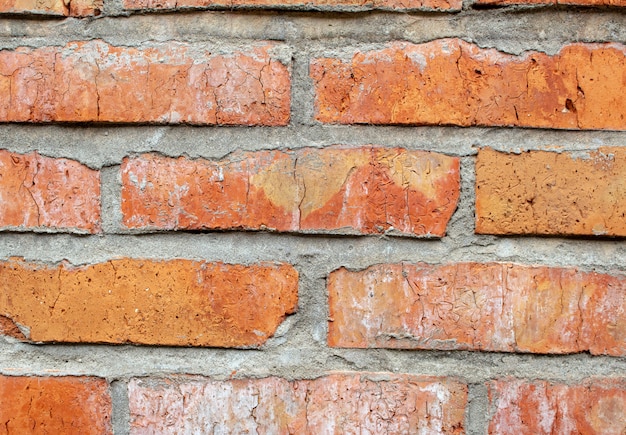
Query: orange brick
x=46 y=405
x=340 y=403
x=473 y=306
x=457 y=83
x=444 y=5
x=596 y=406
x=619 y=3
x=540 y=192
x=176 y=302
x=364 y=190
x=42 y=192
x=163 y=83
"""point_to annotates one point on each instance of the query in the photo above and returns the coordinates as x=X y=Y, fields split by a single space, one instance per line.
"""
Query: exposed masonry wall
x=537 y=316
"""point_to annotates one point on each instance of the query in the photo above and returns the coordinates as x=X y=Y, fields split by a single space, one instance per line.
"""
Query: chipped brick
x=54 y=405
x=47 y=193
x=163 y=83
x=362 y=190
x=343 y=402
x=453 y=82
x=472 y=306
x=539 y=192
x=175 y=302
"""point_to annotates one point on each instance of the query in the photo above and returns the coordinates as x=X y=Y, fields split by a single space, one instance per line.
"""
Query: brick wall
x=312 y=217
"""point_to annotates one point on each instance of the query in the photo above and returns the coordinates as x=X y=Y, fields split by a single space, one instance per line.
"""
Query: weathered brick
x=175 y=302
x=444 y=5
x=372 y=403
x=362 y=190
x=74 y=8
x=613 y=3
x=454 y=82
x=43 y=192
x=54 y=405
x=473 y=306
x=595 y=406
x=539 y=192
x=163 y=83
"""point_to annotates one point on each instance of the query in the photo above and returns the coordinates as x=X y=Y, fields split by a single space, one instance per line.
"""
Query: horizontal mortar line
x=108 y=145
x=499 y=28
x=136 y=361
x=316 y=255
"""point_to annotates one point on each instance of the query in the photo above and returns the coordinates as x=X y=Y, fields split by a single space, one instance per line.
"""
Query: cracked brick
x=174 y=302
x=551 y=193
x=48 y=193
x=162 y=83
x=363 y=190
x=472 y=306
x=593 y=406
x=453 y=82
x=376 y=403
x=54 y=405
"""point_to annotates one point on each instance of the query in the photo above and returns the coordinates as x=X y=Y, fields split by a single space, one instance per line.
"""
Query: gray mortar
x=298 y=350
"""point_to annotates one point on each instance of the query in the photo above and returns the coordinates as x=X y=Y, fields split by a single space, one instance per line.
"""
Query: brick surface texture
x=473 y=306
x=541 y=192
x=596 y=406
x=42 y=192
x=339 y=403
x=452 y=82
x=362 y=190
x=443 y=5
x=74 y=8
x=167 y=83
x=176 y=302
x=47 y=405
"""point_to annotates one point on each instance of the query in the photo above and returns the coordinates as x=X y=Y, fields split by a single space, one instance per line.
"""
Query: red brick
x=457 y=83
x=175 y=302
x=541 y=192
x=340 y=403
x=163 y=83
x=596 y=406
x=75 y=8
x=619 y=3
x=363 y=190
x=445 y=5
x=472 y=306
x=46 y=405
x=42 y=192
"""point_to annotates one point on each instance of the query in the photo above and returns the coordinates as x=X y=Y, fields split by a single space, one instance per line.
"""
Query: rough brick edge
x=54 y=8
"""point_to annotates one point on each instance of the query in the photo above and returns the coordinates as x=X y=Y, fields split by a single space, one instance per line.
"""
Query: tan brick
x=340 y=403
x=454 y=82
x=47 y=405
x=163 y=83
x=473 y=306
x=43 y=192
x=444 y=5
x=175 y=302
x=541 y=192
x=595 y=406
x=362 y=190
